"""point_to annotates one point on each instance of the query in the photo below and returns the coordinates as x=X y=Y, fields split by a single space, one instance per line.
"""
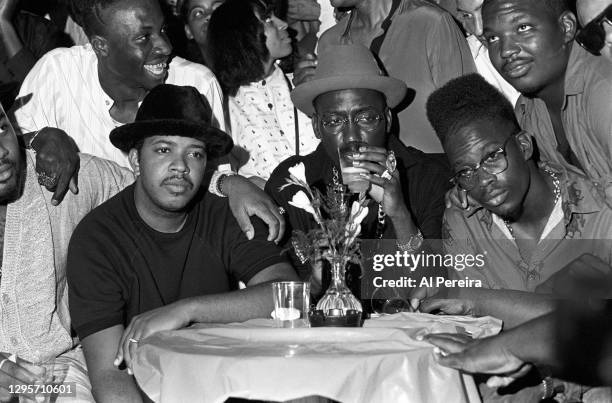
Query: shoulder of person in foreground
x=100 y=179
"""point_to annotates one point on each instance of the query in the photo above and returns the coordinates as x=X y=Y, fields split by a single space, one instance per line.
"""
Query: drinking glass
x=291 y=303
x=350 y=173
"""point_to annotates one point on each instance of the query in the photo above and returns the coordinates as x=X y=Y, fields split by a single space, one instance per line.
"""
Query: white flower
x=300 y=200
x=357 y=216
x=353 y=227
x=298 y=171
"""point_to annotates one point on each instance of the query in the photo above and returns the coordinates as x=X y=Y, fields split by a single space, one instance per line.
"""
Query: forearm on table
x=236 y=306
x=513 y=307
x=255 y=301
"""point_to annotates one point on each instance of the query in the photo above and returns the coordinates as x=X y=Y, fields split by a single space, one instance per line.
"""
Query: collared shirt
x=66 y=93
x=35 y=323
x=263 y=126
x=425 y=49
x=485 y=68
x=586 y=116
x=582 y=223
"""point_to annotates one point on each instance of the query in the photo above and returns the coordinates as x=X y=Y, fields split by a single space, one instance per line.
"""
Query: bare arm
x=504 y=354
x=237 y=306
x=109 y=384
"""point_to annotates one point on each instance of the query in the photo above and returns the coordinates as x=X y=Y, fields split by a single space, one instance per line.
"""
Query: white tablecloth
x=381 y=362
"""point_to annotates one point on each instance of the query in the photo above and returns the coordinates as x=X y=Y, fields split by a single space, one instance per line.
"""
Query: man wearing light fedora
x=162 y=253
x=351 y=106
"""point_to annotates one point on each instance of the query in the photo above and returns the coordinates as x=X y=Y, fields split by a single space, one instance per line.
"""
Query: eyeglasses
x=493 y=163
x=367 y=121
x=592 y=36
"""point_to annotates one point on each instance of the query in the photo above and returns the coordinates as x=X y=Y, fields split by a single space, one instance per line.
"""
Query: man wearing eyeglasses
x=566 y=90
x=353 y=108
x=535 y=218
x=595 y=17
x=533 y=215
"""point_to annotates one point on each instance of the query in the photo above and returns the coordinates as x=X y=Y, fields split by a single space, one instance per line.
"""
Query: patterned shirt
x=66 y=93
x=580 y=224
x=586 y=116
x=263 y=126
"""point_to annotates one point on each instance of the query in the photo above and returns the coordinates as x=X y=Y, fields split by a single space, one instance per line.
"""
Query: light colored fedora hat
x=345 y=67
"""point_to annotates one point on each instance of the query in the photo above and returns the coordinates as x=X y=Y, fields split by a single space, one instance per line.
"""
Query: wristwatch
x=216 y=182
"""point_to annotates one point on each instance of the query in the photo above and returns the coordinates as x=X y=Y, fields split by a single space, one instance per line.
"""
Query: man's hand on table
x=57 y=162
x=169 y=317
x=478 y=356
x=14 y=374
x=246 y=200
x=448 y=306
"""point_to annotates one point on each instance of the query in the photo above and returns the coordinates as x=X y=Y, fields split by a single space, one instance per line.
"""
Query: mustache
x=177 y=180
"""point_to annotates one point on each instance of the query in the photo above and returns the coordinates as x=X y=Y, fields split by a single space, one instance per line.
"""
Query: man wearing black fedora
x=163 y=253
x=351 y=108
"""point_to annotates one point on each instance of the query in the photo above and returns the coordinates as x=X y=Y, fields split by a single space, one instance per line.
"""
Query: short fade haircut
x=556 y=7
x=465 y=100
x=237 y=43
x=88 y=14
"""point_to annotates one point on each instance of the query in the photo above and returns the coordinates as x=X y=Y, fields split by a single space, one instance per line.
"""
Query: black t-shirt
x=119 y=267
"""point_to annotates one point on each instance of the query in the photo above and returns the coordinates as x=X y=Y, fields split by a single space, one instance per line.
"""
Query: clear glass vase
x=338 y=299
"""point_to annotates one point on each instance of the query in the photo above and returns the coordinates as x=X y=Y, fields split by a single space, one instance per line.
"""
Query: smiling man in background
x=89 y=90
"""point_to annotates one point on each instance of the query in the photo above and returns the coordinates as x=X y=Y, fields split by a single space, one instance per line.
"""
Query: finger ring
x=391 y=162
x=131 y=340
x=2 y=362
x=281 y=210
x=45 y=180
x=386 y=175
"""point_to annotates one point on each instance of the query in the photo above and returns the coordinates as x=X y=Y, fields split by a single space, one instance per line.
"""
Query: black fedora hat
x=172 y=110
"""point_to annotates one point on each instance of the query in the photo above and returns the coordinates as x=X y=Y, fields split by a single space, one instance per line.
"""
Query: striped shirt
x=66 y=93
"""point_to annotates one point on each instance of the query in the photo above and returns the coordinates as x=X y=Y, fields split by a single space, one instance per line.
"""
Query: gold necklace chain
x=556 y=193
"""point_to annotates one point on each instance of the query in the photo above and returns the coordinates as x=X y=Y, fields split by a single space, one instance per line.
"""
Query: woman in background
x=245 y=40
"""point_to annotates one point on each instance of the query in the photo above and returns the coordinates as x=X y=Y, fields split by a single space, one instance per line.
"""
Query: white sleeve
x=37 y=100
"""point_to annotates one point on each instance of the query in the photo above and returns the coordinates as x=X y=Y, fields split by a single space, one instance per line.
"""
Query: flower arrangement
x=336 y=235
x=335 y=240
